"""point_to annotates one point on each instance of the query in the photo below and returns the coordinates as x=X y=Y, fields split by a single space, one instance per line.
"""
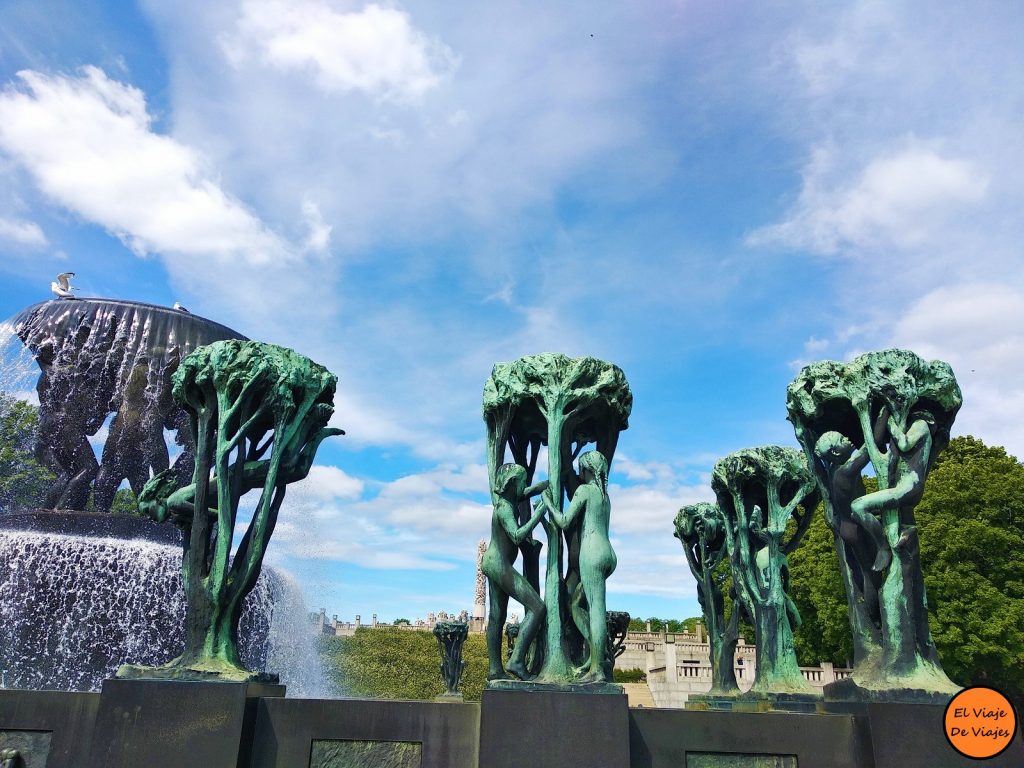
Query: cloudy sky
x=707 y=194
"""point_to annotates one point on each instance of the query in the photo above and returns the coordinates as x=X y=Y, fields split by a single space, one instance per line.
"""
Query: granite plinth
x=601 y=688
x=912 y=736
x=300 y=732
x=163 y=723
x=63 y=722
x=675 y=738
x=756 y=702
x=553 y=729
x=849 y=691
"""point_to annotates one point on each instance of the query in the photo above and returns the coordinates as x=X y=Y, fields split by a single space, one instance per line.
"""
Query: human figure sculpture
x=913 y=451
x=503 y=579
x=596 y=558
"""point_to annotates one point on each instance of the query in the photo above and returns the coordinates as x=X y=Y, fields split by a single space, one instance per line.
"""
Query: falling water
x=74 y=608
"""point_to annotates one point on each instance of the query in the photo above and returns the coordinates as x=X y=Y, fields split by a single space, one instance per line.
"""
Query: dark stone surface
x=847 y=690
x=665 y=738
x=66 y=717
x=365 y=754
x=157 y=723
x=32 y=747
x=599 y=687
x=912 y=736
x=91 y=524
x=553 y=730
x=287 y=728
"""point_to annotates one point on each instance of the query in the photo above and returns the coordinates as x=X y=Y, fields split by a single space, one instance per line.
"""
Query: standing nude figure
x=596 y=558
x=503 y=579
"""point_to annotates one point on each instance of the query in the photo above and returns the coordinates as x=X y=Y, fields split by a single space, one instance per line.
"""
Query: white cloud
x=88 y=142
x=900 y=199
x=979 y=330
x=375 y=50
x=327 y=483
x=23 y=233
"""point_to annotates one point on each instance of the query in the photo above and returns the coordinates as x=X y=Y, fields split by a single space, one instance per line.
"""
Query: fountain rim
x=83 y=524
x=126 y=303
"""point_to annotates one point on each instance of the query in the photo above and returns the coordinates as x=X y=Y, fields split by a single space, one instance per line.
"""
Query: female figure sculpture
x=596 y=558
x=504 y=580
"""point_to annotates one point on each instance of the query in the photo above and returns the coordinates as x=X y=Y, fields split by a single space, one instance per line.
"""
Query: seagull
x=177 y=306
x=62 y=286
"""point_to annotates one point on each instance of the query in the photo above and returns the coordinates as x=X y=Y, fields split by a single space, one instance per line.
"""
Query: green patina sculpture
x=891 y=410
x=565 y=404
x=701 y=529
x=244 y=399
x=451 y=635
x=618 y=626
x=760 y=490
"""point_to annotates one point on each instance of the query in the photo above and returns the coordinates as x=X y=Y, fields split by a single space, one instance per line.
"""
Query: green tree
x=23 y=480
x=971 y=525
x=971 y=520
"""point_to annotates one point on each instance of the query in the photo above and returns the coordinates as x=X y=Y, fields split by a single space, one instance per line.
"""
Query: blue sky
x=708 y=195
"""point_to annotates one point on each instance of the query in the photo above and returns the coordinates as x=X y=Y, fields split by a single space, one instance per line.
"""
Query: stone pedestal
x=553 y=730
x=167 y=724
x=49 y=728
x=912 y=736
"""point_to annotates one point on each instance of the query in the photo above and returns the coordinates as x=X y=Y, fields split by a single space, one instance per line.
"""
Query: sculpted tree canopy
x=258 y=414
x=760 y=490
x=893 y=411
x=565 y=404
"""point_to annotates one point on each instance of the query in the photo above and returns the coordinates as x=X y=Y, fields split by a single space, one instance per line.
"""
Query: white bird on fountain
x=62 y=286
x=177 y=306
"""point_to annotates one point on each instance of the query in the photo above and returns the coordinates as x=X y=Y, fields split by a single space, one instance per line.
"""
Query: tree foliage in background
x=391 y=663
x=23 y=480
x=971 y=524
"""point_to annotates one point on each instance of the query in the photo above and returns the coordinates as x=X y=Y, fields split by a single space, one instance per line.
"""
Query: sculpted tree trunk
x=244 y=399
x=760 y=490
x=701 y=529
x=891 y=410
